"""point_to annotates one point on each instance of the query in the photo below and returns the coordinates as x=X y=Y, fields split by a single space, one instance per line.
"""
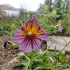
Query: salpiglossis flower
x=58 y=26
x=30 y=36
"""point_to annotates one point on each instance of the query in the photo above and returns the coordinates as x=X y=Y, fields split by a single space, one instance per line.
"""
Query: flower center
x=29 y=33
x=58 y=26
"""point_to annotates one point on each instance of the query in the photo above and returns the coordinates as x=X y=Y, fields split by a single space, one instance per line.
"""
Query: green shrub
x=42 y=60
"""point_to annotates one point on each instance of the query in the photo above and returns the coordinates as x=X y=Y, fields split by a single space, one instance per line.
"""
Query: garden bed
x=9 y=56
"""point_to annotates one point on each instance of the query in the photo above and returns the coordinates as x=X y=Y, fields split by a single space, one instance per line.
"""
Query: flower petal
x=26 y=46
x=30 y=22
x=36 y=45
x=17 y=37
x=59 y=21
x=17 y=32
x=43 y=35
x=34 y=18
x=33 y=21
x=18 y=40
x=60 y=29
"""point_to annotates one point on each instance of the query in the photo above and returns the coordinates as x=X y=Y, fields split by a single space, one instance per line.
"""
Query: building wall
x=11 y=13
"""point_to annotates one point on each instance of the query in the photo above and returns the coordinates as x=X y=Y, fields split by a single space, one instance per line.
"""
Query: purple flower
x=30 y=36
x=58 y=26
x=59 y=21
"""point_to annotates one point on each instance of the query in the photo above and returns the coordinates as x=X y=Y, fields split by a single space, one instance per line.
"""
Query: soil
x=3 y=39
x=7 y=56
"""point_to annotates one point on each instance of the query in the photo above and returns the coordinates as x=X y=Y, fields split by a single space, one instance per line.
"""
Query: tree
x=61 y=7
x=49 y=3
x=43 y=9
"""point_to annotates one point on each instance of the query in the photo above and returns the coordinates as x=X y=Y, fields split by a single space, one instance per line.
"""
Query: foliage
x=8 y=28
x=42 y=60
x=43 y=8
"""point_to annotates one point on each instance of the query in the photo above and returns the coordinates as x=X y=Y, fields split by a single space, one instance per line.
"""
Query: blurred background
x=15 y=13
